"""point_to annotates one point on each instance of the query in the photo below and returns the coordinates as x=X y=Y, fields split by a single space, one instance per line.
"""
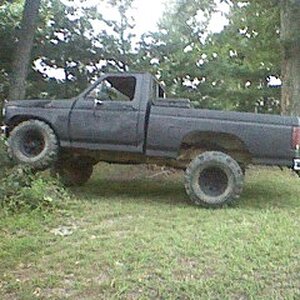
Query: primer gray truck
x=126 y=118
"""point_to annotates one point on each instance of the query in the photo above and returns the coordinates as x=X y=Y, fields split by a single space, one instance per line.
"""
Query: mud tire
x=33 y=143
x=213 y=179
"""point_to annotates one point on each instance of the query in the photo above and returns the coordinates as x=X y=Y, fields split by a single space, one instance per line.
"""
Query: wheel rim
x=33 y=143
x=213 y=181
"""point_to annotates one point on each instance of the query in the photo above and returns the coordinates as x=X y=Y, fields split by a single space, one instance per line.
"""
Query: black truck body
x=144 y=126
x=135 y=123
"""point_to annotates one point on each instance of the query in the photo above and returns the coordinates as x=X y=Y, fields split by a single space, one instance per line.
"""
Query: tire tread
x=53 y=145
x=222 y=158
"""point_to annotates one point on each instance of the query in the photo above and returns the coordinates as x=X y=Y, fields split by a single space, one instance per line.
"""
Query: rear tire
x=33 y=143
x=73 y=172
x=214 y=179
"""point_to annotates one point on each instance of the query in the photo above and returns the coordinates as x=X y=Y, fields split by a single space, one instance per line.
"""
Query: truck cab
x=112 y=113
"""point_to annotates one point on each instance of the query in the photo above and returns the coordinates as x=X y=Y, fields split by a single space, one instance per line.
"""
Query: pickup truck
x=126 y=118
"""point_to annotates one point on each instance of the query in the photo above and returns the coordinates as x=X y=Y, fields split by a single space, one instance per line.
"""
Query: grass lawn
x=129 y=234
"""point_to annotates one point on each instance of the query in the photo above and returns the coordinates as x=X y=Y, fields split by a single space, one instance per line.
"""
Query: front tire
x=213 y=179
x=33 y=143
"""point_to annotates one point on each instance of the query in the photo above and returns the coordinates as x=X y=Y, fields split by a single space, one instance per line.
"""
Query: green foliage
x=248 y=52
x=117 y=41
x=217 y=71
x=182 y=27
x=5 y=162
x=22 y=189
x=66 y=40
x=222 y=70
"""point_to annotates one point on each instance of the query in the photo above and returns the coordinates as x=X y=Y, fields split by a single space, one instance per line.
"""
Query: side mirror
x=98 y=103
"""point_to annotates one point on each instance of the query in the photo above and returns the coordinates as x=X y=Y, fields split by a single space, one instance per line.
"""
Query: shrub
x=5 y=162
x=21 y=189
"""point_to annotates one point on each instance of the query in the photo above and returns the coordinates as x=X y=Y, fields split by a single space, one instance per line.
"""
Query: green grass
x=136 y=237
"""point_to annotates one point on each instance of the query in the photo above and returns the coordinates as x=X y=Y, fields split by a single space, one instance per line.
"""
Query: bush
x=21 y=189
x=5 y=161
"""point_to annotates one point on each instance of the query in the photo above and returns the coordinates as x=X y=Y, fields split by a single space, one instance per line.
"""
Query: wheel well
x=19 y=119
x=198 y=142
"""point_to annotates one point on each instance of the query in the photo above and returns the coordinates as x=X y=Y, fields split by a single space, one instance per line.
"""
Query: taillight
x=296 y=138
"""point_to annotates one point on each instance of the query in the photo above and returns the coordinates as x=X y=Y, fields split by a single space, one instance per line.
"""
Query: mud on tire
x=33 y=143
x=213 y=179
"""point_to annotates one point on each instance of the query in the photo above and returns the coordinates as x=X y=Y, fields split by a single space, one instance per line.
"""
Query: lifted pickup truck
x=126 y=118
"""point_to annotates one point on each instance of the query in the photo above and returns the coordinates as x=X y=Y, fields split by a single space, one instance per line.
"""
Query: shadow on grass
x=256 y=195
x=261 y=195
x=140 y=190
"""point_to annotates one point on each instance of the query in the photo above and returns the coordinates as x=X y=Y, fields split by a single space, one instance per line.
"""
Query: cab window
x=115 y=88
x=159 y=92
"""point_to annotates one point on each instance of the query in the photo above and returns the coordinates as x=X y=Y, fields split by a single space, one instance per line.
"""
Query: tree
x=217 y=71
x=23 y=51
x=239 y=74
x=64 y=48
x=10 y=18
x=79 y=43
x=117 y=42
x=287 y=23
x=290 y=28
x=173 y=53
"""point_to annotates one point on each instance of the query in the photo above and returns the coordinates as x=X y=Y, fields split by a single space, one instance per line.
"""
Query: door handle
x=98 y=103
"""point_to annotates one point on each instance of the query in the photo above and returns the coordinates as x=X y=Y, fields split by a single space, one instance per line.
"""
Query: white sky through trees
x=146 y=14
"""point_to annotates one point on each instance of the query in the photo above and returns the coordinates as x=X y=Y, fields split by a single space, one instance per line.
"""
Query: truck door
x=107 y=117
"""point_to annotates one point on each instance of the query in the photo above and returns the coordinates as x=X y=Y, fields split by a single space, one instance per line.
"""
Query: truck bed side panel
x=267 y=137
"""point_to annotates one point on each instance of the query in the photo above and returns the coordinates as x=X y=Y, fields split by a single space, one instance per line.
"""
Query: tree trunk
x=290 y=71
x=23 y=50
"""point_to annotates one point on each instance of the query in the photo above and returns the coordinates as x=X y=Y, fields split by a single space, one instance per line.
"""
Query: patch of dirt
x=187 y=262
x=239 y=296
x=10 y=296
x=126 y=173
x=120 y=234
x=189 y=269
x=56 y=293
x=102 y=277
x=111 y=220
